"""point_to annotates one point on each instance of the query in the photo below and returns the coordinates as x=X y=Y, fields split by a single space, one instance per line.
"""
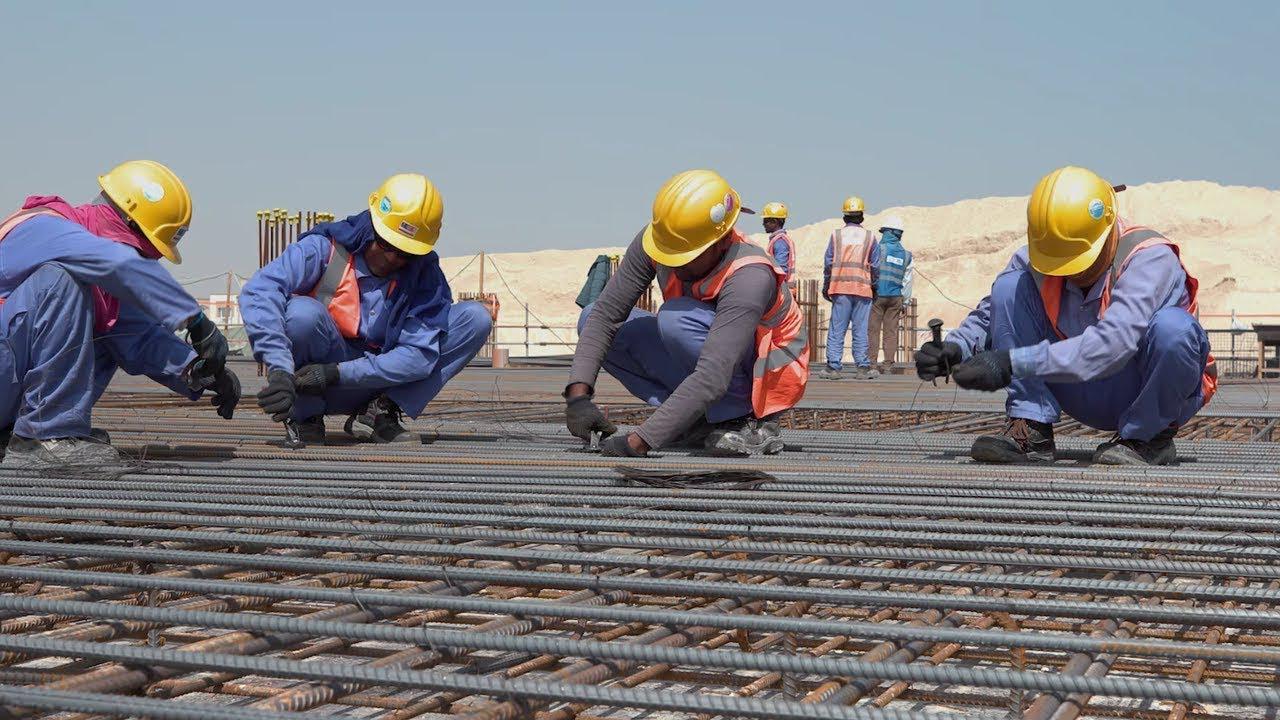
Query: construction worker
x=848 y=283
x=780 y=244
x=83 y=296
x=356 y=318
x=724 y=355
x=891 y=276
x=1095 y=317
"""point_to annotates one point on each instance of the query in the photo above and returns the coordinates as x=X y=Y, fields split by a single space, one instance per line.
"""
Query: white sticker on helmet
x=152 y=191
x=718 y=212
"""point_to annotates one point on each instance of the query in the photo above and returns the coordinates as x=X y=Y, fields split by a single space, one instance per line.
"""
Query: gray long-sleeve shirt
x=743 y=300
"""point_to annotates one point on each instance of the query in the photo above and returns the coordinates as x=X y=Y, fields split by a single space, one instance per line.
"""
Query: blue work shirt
x=152 y=304
x=780 y=252
x=296 y=272
x=1094 y=348
x=873 y=258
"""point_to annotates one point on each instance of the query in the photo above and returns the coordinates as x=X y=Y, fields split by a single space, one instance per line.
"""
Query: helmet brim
x=1054 y=266
x=413 y=247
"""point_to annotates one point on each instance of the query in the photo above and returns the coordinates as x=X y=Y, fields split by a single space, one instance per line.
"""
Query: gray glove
x=583 y=417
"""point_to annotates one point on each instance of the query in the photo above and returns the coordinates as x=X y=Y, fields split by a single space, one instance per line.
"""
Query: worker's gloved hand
x=935 y=360
x=583 y=417
x=211 y=351
x=226 y=389
x=314 y=379
x=277 y=398
x=990 y=371
x=620 y=446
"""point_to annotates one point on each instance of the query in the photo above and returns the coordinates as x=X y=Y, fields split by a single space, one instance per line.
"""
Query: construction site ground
x=494 y=570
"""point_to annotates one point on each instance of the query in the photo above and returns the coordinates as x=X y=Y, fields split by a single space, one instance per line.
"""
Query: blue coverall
x=52 y=368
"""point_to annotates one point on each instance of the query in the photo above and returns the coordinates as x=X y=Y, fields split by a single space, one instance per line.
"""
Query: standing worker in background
x=725 y=354
x=781 y=248
x=848 y=283
x=356 y=318
x=891 y=276
x=1095 y=316
x=83 y=295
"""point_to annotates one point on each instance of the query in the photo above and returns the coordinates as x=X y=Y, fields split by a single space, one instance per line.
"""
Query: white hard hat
x=892 y=222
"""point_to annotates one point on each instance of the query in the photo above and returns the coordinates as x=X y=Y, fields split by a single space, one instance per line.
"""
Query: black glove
x=314 y=379
x=226 y=388
x=937 y=361
x=617 y=446
x=990 y=371
x=211 y=351
x=276 y=399
x=583 y=417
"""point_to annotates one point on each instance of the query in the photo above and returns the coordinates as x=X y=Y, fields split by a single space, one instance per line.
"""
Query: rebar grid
x=496 y=571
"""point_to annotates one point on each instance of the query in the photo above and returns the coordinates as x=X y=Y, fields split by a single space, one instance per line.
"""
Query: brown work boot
x=1159 y=450
x=1022 y=441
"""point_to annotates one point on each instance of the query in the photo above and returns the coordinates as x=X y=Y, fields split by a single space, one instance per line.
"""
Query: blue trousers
x=314 y=338
x=652 y=354
x=1160 y=387
x=847 y=311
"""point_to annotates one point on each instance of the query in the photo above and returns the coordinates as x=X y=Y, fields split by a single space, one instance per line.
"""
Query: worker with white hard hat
x=891 y=280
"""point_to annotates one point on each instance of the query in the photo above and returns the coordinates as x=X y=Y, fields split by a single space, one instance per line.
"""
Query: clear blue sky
x=552 y=124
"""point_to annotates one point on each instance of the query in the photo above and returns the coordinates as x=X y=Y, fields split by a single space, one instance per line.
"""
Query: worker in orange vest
x=1096 y=316
x=848 y=282
x=725 y=354
x=780 y=244
x=357 y=319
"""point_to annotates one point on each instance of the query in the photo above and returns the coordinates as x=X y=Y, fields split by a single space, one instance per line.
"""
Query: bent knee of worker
x=682 y=314
x=1173 y=329
x=303 y=316
x=471 y=319
x=53 y=281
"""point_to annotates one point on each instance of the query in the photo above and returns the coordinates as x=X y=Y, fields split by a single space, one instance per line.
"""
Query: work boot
x=1022 y=441
x=378 y=422
x=311 y=430
x=745 y=436
x=79 y=453
x=830 y=373
x=866 y=373
x=1159 y=450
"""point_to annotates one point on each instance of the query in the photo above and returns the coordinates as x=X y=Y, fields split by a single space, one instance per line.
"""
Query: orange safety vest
x=339 y=292
x=1133 y=240
x=791 y=250
x=851 y=261
x=781 y=370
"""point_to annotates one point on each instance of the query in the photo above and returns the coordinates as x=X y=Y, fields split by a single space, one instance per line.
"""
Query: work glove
x=583 y=417
x=989 y=371
x=276 y=399
x=617 y=446
x=935 y=360
x=226 y=389
x=211 y=352
x=314 y=379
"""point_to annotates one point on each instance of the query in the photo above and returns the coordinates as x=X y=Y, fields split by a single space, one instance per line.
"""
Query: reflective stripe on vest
x=1132 y=241
x=339 y=291
x=791 y=252
x=851 y=261
x=781 y=369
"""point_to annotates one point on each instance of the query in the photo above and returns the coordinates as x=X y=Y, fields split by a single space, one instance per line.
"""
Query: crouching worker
x=724 y=355
x=83 y=295
x=1095 y=317
x=356 y=318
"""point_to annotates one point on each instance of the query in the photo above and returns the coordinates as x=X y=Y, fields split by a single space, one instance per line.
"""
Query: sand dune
x=1228 y=234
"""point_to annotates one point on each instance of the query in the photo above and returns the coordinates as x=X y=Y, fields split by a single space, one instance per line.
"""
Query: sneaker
x=1022 y=441
x=866 y=373
x=378 y=422
x=745 y=436
x=1159 y=450
x=830 y=373
x=62 y=453
x=311 y=430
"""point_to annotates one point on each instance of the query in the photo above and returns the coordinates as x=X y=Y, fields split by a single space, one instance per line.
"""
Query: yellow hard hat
x=775 y=210
x=853 y=204
x=407 y=212
x=692 y=210
x=154 y=199
x=1069 y=216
